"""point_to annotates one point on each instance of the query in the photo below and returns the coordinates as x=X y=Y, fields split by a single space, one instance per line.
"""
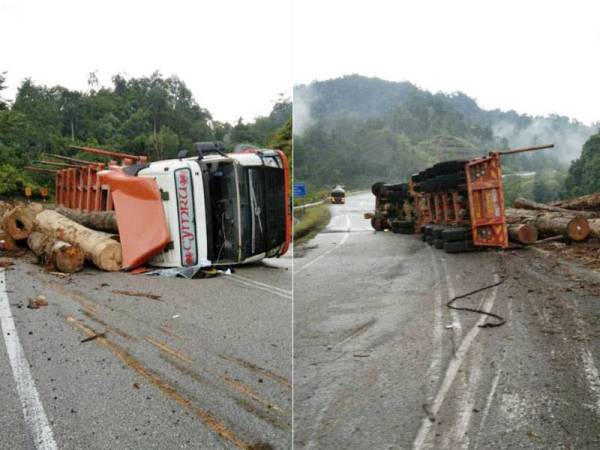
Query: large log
x=590 y=201
x=7 y=242
x=524 y=203
x=523 y=233
x=18 y=222
x=65 y=257
x=96 y=220
x=97 y=246
x=574 y=227
x=594 y=227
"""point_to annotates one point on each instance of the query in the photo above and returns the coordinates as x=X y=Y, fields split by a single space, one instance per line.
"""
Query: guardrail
x=308 y=205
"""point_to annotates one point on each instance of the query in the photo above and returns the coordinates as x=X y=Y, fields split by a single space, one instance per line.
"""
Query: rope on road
x=501 y=320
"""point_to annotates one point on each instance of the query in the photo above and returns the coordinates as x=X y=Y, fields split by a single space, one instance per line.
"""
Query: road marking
x=258 y=286
x=33 y=410
x=452 y=370
x=433 y=372
x=250 y=280
x=318 y=258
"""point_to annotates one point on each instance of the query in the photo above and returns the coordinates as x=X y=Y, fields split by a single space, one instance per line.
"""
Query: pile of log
x=59 y=238
x=574 y=219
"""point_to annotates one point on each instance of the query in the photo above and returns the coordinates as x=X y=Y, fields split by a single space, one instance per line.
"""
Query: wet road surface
x=381 y=363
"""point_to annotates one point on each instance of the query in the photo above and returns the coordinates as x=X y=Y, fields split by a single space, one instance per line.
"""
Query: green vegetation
x=584 y=173
x=156 y=116
x=356 y=131
x=310 y=222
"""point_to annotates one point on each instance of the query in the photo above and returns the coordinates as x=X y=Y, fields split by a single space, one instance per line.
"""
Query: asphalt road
x=207 y=365
x=381 y=363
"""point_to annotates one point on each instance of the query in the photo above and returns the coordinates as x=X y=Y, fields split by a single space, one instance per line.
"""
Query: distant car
x=338 y=195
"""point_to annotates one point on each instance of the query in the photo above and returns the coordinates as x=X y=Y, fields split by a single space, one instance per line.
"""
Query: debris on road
x=93 y=337
x=136 y=294
x=38 y=302
x=5 y=262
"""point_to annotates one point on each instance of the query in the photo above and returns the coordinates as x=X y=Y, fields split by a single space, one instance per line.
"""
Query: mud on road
x=380 y=362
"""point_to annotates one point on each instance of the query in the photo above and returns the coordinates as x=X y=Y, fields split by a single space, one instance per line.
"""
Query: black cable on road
x=501 y=320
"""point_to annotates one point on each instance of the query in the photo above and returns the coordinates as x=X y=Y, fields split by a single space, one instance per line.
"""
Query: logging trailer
x=456 y=205
x=225 y=208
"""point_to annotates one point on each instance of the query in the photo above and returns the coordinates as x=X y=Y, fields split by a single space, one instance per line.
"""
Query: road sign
x=300 y=190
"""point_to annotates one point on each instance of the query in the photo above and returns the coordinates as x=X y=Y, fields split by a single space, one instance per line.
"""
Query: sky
x=234 y=55
x=536 y=57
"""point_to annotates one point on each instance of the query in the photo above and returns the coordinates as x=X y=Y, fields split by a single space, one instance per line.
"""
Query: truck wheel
x=438 y=243
x=459 y=247
x=429 y=239
x=376 y=188
x=456 y=234
x=437 y=232
x=377 y=224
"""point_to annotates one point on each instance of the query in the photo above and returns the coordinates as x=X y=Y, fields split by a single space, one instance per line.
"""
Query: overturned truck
x=205 y=207
x=457 y=205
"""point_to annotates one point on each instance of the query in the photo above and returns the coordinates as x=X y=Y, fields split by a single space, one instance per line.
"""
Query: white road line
x=456 y=324
x=250 y=280
x=452 y=370
x=318 y=258
x=433 y=371
x=33 y=410
x=256 y=286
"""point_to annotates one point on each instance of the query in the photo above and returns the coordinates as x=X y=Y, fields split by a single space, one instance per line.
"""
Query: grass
x=312 y=220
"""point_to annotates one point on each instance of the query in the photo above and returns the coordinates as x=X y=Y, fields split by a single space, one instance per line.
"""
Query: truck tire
x=438 y=243
x=376 y=188
x=437 y=232
x=455 y=234
x=429 y=239
x=377 y=224
x=459 y=247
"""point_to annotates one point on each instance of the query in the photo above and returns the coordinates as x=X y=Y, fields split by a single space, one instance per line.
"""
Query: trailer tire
x=459 y=247
x=438 y=243
x=376 y=188
x=429 y=239
x=377 y=224
x=437 y=232
x=456 y=234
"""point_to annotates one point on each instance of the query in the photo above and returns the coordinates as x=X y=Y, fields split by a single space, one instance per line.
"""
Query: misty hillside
x=357 y=130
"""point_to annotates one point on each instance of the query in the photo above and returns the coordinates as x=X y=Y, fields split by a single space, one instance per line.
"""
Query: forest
x=356 y=130
x=154 y=115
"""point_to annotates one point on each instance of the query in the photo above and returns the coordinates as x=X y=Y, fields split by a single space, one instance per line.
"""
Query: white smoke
x=568 y=138
x=304 y=97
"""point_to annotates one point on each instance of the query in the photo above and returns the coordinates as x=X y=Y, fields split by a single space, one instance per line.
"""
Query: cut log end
x=523 y=233
x=18 y=223
x=578 y=228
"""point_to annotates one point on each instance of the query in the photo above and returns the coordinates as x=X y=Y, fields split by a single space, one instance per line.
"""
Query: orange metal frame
x=486 y=201
x=80 y=188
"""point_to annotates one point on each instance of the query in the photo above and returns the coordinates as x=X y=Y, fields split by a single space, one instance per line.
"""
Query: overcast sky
x=234 y=55
x=536 y=57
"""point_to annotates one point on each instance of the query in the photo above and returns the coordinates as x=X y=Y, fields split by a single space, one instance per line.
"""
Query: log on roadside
x=590 y=202
x=98 y=247
x=574 y=227
x=524 y=203
x=523 y=233
x=594 y=227
x=18 y=222
x=96 y=220
x=60 y=255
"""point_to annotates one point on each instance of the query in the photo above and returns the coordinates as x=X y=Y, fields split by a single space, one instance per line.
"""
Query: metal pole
x=111 y=154
x=524 y=149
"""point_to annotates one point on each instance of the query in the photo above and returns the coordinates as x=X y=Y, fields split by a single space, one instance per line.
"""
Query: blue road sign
x=299 y=189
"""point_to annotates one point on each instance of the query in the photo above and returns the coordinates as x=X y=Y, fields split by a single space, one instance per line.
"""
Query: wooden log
x=18 y=222
x=594 y=227
x=524 y=203
x=7 y=242
x=523 y=233
x=590 y=201
x=574 y=227
x=96 y=220
x=98 y=247
x=63 y=256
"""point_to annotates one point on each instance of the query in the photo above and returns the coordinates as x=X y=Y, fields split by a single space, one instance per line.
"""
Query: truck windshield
x=224 y=212
x=262 y=206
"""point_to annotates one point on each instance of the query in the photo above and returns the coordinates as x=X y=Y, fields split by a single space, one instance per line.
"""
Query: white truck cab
x=227 y=208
